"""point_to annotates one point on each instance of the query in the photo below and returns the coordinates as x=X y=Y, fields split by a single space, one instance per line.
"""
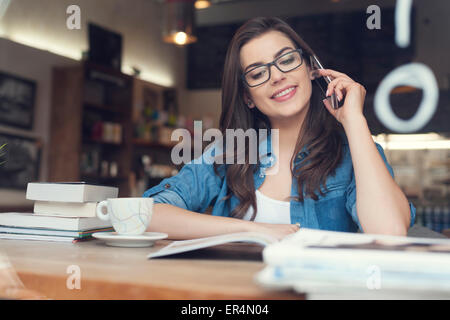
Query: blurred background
x=92 y=90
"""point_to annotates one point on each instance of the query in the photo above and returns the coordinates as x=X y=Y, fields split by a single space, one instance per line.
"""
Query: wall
x=32 y=64
x=29 y=24
x=42 y=24
x=431 y=25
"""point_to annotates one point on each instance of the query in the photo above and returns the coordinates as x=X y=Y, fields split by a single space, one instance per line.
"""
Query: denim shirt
x=197 y=187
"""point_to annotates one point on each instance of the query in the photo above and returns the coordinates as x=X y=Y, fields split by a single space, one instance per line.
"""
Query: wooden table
x=225 y=272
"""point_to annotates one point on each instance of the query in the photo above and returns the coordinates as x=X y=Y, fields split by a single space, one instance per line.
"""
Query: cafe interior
x=93 y=90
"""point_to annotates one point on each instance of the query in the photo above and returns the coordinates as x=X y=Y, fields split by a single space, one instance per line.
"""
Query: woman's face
x=286 y=94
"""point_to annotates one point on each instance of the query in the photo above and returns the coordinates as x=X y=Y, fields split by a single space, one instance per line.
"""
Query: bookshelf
x=155 y=116
x=91 y=127
x=104 y=122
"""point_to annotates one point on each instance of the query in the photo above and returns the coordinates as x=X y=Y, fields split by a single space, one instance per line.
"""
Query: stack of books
x=366 y=265
x=62 y=212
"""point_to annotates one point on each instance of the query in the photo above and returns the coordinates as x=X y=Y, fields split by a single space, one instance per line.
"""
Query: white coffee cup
x=128 y=216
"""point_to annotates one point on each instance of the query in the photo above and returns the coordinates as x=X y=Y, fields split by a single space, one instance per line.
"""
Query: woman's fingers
x=332 y=73
x=277 y=230
x=339 y=86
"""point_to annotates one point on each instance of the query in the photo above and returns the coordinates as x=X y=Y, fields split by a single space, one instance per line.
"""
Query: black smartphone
x=323 y=82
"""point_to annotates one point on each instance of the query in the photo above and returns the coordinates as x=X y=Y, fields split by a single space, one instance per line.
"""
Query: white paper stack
x=339 y=264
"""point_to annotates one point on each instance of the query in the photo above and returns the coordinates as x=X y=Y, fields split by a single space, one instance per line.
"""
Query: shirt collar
x=265 y=145
x=267 y=158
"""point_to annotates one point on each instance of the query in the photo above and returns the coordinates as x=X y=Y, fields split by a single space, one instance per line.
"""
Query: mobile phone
x=323 y=82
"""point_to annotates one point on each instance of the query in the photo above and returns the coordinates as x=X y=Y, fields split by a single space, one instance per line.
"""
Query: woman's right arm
x=183 y=224
x=179 y=199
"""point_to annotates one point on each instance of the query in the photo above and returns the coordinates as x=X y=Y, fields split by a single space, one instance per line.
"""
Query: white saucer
x=147 y=239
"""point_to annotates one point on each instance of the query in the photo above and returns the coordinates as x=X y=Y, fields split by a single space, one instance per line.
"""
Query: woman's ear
x=313 y=74
x=248 y=101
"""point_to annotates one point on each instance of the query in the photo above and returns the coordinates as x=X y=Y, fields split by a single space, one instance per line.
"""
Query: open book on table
x=200 y=243
x=330 y=248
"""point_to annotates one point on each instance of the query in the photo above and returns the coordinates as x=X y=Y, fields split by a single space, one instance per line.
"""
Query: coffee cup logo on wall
x=415 y=75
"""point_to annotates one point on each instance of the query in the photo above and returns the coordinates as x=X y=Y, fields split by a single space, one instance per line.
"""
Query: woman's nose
x=276 y=75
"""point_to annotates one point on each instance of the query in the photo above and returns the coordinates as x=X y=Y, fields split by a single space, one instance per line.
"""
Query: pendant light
x=179 y=20
x=202 y=4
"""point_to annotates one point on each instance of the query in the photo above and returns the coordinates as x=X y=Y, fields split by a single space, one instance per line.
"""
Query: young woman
x=326 y=172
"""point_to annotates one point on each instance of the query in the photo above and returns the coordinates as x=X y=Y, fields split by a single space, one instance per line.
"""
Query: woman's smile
x=284 y=94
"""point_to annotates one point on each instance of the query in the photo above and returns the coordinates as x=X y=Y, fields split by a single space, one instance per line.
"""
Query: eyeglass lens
x=285 y=63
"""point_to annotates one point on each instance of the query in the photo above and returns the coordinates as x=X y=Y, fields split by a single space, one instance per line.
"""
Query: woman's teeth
x=284 y=92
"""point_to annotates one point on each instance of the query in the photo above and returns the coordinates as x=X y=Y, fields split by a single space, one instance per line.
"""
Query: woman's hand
x=344 y=87
x=278 y=231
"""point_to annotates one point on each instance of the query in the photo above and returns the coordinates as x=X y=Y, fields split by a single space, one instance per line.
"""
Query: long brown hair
x=320 y=132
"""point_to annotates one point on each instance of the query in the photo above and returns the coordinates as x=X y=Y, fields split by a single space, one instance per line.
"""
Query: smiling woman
x=324 y=171
x=286 y=100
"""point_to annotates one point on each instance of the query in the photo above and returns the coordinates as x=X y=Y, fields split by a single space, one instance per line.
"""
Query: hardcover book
x=69 y=192
x=30 y=220
x=68 y=209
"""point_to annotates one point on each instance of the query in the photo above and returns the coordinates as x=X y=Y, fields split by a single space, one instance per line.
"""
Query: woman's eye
x=287 y=60
x=257 y=74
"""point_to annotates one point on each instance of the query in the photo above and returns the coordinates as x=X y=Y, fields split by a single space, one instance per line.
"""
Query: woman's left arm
x=381 y=205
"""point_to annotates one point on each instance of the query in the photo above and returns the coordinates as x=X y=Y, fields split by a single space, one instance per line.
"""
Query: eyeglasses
x=285 y=63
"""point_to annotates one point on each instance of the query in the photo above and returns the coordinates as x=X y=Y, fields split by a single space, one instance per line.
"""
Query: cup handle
x=100 y=214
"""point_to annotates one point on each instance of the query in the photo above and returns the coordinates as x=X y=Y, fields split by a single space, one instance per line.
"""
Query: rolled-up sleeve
x=193 y=188
x=166 y=196
x=351 y=194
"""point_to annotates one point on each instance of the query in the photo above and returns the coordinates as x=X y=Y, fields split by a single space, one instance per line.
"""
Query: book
x=30 y=220
x=70 y=209
x=69 y=192
x=42 y=234
x=328 y=261
x=10 y=236
x=52 y=232
x=189 y=245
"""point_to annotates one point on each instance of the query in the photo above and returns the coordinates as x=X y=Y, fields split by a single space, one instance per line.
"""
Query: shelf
x=110 y=109
x=109 y=71
x=103 y=178
x=152 y=144
x=100 y=142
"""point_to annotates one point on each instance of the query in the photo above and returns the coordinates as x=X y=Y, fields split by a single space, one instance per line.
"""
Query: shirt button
x=167 y=185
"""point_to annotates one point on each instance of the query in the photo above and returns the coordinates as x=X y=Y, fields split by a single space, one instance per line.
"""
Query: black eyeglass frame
x=270 y=64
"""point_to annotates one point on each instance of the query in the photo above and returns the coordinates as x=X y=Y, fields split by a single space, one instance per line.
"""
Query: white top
x=270 y=210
